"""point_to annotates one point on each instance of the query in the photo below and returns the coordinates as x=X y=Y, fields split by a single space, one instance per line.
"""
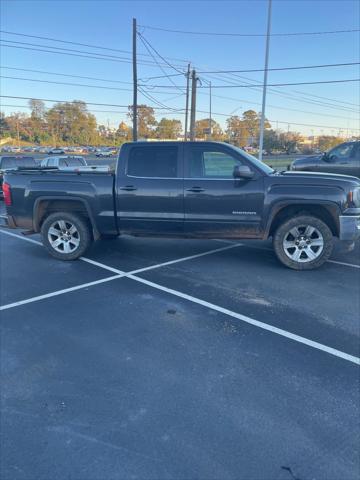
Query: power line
x=91 y=111
x=169 y=78
x=81 y=44
x=75 y=84
x=72 y=101
x=270 y=84
x=66 y=75
x=93 y=55
x=285 y=68
x=151 y=98
x=157 y=53
x=227 y=34
x=286 y=95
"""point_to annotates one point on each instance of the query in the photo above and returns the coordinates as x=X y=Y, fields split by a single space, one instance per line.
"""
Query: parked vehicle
x=342 y=159
x=63 y=161
x=104 y=153
x=56 y=151
x=10 y=163
x=187 y=190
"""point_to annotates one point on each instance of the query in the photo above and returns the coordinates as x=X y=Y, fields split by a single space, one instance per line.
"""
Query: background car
x=56 y=151
x=343 y=159
x=63 y=161
x=104 y=153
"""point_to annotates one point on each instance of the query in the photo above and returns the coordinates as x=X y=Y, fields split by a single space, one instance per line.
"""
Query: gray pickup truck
x=186 y=190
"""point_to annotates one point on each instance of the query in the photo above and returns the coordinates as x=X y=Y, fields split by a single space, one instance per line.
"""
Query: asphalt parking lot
x=168 y=359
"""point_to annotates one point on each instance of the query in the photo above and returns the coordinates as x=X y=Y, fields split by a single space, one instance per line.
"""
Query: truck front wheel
x=303 y=243
x=66 y=236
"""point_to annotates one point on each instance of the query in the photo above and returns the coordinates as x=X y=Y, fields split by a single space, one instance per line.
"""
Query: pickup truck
x=186 y=190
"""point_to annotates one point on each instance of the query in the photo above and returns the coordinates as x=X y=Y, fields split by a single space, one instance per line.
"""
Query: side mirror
x=242 y=171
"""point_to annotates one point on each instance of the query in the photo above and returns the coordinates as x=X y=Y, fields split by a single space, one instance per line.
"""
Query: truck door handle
x=196 y=189
x=128 y=188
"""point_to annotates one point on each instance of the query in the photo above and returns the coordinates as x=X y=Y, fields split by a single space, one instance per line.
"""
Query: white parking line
x=267 y=249
x=251 y=321
x=58 y=292
x=204 y=303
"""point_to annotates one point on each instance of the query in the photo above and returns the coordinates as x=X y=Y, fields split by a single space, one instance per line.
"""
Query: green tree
x=271 y=141
x=70 y=122
x=168 y=128
x=146 y=121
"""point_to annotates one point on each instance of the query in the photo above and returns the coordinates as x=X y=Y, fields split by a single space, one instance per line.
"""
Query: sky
x=108 y=24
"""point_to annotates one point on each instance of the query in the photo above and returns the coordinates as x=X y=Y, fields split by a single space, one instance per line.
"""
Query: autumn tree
x=202 y=129
x=124 y=132
x=288 y=141
x=146 y=121
x=236 y=131
x=325 y=142
x=168 y=128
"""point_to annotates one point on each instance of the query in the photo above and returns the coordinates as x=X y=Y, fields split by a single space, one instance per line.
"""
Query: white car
x=104 y=153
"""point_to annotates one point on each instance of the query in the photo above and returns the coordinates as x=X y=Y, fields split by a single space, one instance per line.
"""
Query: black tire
x=306 y=247
x=79 y=242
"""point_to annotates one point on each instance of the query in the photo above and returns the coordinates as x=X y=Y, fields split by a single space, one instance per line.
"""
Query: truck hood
x=323 y=178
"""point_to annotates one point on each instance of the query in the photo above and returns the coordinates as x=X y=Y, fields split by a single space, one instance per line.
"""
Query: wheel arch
x=327 y=212
x=46 y=205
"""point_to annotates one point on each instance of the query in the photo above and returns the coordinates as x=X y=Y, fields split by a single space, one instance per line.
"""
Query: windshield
x=14 y=162
x=262 y=166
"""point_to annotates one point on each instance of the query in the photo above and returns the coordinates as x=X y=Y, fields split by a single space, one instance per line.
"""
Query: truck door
x=339 y=159
x=216 y=203
x=149 y=190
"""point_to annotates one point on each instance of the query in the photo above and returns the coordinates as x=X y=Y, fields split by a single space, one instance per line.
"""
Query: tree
x=325 y=142
x=288 y=141
x=124 y=132
x=145 y=120
x=70 y=122
x=271 y=140
x=237 y=132
x=37 y=108
x=37 y=120
x=202 y=129
x=168 y=128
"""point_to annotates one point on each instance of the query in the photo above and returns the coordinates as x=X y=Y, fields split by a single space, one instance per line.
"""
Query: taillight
x=7 y=194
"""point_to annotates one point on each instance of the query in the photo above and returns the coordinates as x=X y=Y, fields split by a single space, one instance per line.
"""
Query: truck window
x=153 y=161
x=214 y=164
x=14 y=162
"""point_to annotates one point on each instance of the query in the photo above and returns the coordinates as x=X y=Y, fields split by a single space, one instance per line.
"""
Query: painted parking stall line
x=249 y=320
x=198 y=301
x=58 y=292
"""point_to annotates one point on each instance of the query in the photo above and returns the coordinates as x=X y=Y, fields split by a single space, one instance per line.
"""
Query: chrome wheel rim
x=303 y=243
x=63 y=236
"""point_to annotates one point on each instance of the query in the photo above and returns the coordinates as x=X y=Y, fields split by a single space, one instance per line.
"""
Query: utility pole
x=262 y=121
x=187 y=102
x=210 y=119
x=17 y=131
x=193 y=105
x=134 y=83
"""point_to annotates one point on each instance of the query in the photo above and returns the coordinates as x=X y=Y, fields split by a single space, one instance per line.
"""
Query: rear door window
x=15 y=162
x=153 y=162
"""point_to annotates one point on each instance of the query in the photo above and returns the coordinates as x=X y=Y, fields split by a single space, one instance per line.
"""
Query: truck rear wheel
x=66 y=236
x=303 y=243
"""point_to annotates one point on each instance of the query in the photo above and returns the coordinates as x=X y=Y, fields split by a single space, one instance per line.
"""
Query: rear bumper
x=349 y=227
x=7 y=221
